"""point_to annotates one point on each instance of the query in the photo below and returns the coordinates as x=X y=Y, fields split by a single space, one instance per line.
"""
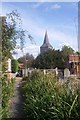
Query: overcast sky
x=58 y=18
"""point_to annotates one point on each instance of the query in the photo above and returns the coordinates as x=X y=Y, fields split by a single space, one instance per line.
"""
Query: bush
x=45 y=98
x=7 y=90
x=14 y=66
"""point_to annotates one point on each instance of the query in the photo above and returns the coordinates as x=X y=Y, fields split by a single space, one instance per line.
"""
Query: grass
x=46 y=98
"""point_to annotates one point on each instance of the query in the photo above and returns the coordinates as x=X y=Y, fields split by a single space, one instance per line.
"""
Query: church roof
x=46 y=41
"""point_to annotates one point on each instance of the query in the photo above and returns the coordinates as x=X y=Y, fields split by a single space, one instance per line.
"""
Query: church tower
x=46 y=45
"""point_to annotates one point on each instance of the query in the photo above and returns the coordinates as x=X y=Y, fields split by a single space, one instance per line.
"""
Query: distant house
x=21 y=66
x=74 y=64
x=46 y=45
x=20 y=70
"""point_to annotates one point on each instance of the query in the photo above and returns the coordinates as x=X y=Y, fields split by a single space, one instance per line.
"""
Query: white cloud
x=55 y=6
x=54 y=35
x=31 y=49
x=0 y=8
x=39 y=0
x=36 y=5
x=37 y=30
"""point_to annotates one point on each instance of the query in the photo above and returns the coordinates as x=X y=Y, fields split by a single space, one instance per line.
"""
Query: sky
x=58 y=18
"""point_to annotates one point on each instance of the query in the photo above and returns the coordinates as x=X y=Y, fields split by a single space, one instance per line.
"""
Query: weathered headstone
x=56 y=71
x=66 y=73
x=9 y=65
x=44 y=71
x=9 y=69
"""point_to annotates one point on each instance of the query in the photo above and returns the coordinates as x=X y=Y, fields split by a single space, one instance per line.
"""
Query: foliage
x=14 y=64
x=7 y=91
x=11 y=31
x=49 y=99
x=66 y=50
x=29 y=58
x=78 y=53
x=53 y=58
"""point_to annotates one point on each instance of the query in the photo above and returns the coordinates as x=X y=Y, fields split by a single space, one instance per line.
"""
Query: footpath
x=16 y=105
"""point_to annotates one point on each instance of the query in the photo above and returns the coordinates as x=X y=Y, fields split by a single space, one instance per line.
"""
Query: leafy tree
x=66 y=50
x=53 y=58
x=11 y=31
x=14 y=64
x=50 y=59
x=78 y=53
x=26 y=59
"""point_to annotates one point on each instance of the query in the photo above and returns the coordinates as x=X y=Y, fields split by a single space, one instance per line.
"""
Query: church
x=46 y=45
x=72 y=61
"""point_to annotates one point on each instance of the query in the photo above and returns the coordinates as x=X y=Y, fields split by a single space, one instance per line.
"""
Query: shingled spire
x=46 y=40
x=46 y=45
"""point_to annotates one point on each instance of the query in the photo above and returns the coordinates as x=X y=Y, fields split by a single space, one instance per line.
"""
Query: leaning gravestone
x=66 y=73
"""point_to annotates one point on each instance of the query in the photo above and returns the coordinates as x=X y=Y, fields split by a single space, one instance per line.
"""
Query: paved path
x=16 y=106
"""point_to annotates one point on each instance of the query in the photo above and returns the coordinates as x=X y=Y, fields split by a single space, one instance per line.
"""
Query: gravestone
x=56 y=71
x=66 y=73
x=9 y=69
x=44 y=72
x=9 y=65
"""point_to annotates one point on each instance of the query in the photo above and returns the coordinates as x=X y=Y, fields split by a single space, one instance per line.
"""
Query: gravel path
x=16 y=107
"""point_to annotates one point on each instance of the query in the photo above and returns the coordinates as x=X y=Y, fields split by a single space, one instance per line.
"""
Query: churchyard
x=47 y=97
x=48 y=91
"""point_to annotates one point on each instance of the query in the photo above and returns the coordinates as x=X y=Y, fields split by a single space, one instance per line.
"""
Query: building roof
x=46 y=42
x=21 y=65
x=74 y=58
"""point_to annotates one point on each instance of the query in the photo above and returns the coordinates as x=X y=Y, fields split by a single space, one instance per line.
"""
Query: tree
x=14 y=64
x=26 y=58
x=11 y=31
x=53 y=58
x=48 y=60
x=66 y=50
x=78 y=53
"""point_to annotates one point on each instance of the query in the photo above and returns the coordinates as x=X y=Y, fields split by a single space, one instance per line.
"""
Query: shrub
x=7 y=90
x=14 y=66
x=45 y=98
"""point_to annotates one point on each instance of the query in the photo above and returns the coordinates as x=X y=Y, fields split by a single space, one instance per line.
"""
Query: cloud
x=31 y=49
x=37 y=29
x=36 y=5
x=55 y=6
x=40 y=0
x=0 y=8
x=54 y=35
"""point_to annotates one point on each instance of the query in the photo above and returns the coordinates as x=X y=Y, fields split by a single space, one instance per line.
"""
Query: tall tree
x=29 y=60
x=11 y=31
x=53 y=58
x=66 y=50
